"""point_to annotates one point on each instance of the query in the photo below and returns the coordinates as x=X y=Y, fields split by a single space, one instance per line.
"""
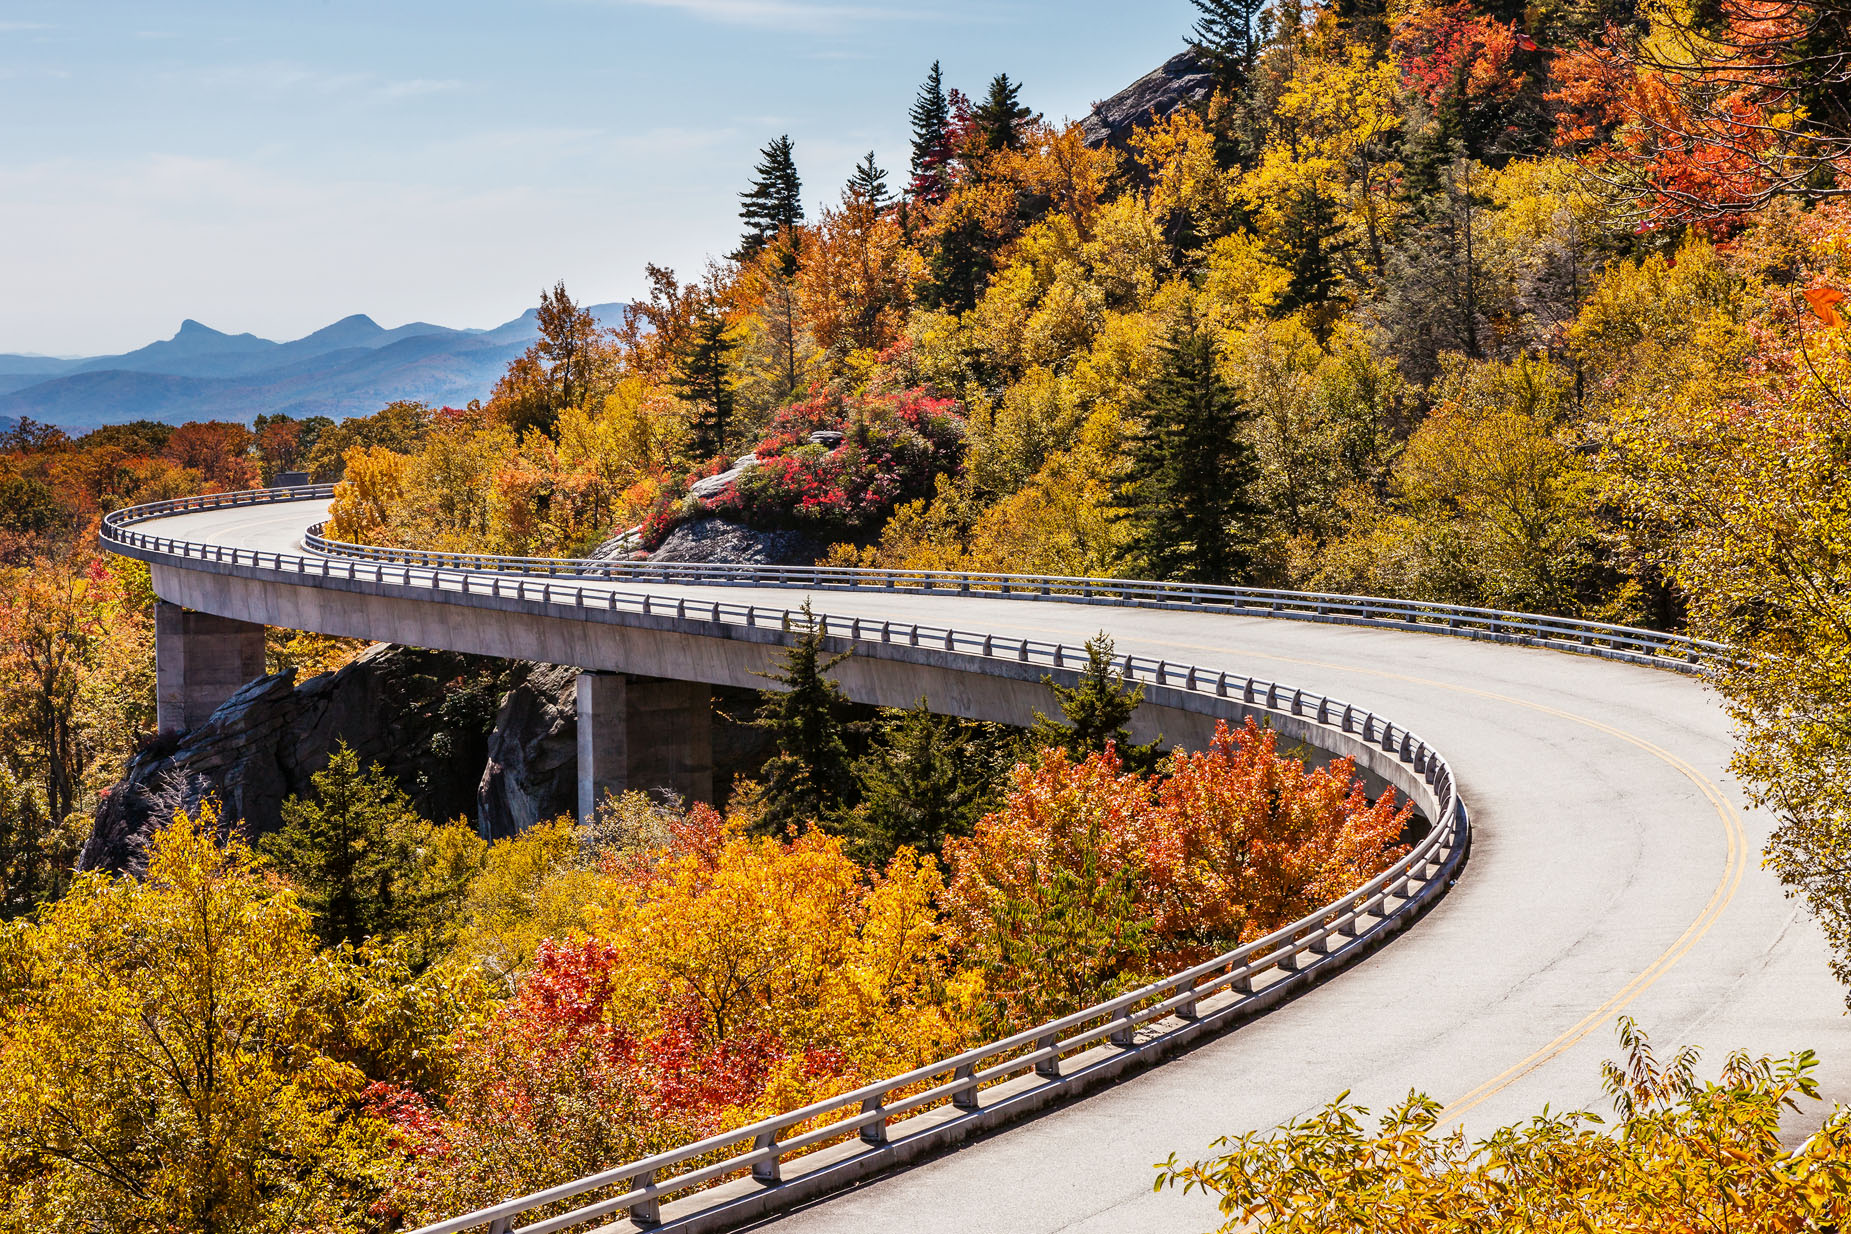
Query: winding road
x=1614 y=869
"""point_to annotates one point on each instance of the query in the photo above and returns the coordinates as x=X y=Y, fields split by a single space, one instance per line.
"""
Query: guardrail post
x=873 y=1133
x=965 y=1098
x=646 y=1211
x=1048 y=1067
x=769 y=1170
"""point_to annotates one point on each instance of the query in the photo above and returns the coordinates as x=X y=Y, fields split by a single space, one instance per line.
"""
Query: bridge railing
x=1147 y=1023
x=1573 y=634
x=1656 y=648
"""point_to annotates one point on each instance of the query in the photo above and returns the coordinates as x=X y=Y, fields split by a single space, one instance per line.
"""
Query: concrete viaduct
x=1614 y=867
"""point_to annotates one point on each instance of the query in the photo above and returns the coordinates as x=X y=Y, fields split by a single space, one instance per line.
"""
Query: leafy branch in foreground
x=1681 y=1154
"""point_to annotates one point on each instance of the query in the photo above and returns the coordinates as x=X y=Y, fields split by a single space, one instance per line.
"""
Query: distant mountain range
x=353 y=367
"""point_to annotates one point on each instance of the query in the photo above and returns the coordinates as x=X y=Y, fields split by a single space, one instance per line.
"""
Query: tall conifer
x=703 y=376
x=931 y=120
x=1185 y=491
x=810 y=779
x=1001 y=115
x=868 y=184
x=1226 y=40
x=773 y=205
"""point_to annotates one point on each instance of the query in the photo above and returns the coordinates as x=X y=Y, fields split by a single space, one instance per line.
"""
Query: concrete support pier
x=643 y=733
x=199 y=662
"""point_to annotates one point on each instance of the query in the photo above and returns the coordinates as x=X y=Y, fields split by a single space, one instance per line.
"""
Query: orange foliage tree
x=1090 y=878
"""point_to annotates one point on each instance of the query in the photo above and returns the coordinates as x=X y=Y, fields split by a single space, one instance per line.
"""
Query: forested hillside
x=1538 y=307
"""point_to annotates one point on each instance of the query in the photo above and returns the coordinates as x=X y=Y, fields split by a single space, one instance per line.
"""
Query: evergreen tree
x=1000 y=117
x=1185 y=490
x=1226 y=41
x=348 y=848
x=1096 y=713
x=868 y=184
x=931 y=119
x=703 y=376
x=928 y=778
x=1311 y=238
x=811 y=778
x=773 y=205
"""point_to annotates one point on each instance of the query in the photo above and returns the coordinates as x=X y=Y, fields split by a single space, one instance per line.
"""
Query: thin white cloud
x=417 y=87
x=783 y=14
x=277 y=77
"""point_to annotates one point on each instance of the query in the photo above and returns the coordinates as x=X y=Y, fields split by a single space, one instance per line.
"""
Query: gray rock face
x=492 y=741
x=1179 y=82
x=422 y=715
x=532 y=770
x=715 y=539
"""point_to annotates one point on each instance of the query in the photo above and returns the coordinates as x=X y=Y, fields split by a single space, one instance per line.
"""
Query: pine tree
x=868 y=184
x=1226 y=41
x=811 y=778
x=703 y=376
x=931 y=119
x=1311 y=237
x=773 y=205
x=1185 y=490
x=1000 y=117
x=348 y=849
x=1096 y=713
x=928 y=778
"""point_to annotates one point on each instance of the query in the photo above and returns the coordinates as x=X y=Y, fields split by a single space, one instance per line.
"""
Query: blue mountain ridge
x=352 y=367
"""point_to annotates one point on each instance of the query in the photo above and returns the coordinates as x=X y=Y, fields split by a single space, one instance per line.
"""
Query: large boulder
x=1181 y=81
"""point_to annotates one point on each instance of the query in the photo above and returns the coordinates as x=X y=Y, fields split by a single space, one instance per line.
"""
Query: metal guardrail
x=1674 y=651
x=1148 y=1022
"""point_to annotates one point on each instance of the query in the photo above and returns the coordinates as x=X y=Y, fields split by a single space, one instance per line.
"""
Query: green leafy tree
x=931 y=121
x=1000 y=118
x=928 y=778
x=811 y=778
x=773 y=205
x=349 y=849
x=1096 y=713
x=704 y=377
x=1185 y=493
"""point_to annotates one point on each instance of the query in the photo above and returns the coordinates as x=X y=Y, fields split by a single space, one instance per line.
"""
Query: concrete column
x=642 y=733
x=199 y=662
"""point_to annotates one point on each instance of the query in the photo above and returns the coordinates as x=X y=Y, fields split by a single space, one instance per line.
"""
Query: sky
x=275 y=167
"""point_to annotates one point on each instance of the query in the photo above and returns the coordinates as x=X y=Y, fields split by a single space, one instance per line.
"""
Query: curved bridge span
x=1612 y=865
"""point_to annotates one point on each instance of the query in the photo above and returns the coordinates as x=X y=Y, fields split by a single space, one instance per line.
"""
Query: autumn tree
x=1678 y=1153
x=772 y=206
x=856 y=282
x=562 y=368
x=176 y=1054
x=1184 y=491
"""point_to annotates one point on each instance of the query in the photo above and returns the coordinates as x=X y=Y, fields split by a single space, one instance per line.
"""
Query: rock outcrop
x=425 y=716
x=532 y=770
x=495 y=742
x=1181 y=81
x=717 y=540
